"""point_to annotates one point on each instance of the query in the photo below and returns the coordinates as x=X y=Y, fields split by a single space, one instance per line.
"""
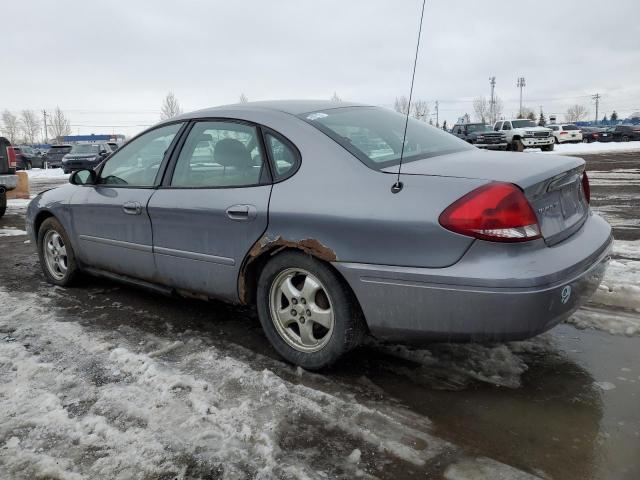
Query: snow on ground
x=80 y=403
x=11 y=231
x=615 y=307
x=587 y=148
x=46 y=173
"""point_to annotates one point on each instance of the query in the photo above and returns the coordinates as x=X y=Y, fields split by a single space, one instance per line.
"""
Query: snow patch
x=483 y=468
x=588 y=148
x=47 y=173
x=11 y=232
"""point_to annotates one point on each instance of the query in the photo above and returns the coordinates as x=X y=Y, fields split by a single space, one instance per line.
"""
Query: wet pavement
x=565 y=405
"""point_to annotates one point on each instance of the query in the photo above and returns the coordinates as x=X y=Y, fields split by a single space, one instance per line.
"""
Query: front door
x=110 y=218
x=212 y=209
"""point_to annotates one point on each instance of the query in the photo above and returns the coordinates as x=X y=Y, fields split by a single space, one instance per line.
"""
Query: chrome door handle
x=132 y=208
x=242 y=212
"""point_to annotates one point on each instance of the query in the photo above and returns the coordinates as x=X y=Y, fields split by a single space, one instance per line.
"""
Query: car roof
x=293 y=107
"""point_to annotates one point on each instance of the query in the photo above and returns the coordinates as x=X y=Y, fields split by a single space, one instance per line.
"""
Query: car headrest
x=205 y=137
x=230 y=152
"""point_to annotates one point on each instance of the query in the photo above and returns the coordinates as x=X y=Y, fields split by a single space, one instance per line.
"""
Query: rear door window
x=284 y=156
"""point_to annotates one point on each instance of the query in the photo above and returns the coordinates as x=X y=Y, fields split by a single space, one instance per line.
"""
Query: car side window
x=138 y=162
x=284 y=157
x=498 y=126
x=219 y=154
x=506 y=126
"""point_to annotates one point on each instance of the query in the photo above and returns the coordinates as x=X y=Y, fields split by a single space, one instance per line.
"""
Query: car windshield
x=477 y=128
x=85 y=148
x=374 y=135
x=59 y=149
x=523 y=123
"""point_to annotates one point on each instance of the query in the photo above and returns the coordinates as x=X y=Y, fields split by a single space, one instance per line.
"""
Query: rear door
x=110 y=218
x=212 y=208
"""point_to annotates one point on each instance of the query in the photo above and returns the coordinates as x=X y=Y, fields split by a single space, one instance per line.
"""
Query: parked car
x=84 y=155
x=591 y=134
x=27 y=157
x=522 y=133
x=480 y=135
x=54 y=155
x=566 y=133
x=233 y=203
x=626 y=133
x=606 y=135
x=8 y=178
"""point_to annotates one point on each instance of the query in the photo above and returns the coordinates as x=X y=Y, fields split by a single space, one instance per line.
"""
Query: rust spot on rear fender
x=274 y=245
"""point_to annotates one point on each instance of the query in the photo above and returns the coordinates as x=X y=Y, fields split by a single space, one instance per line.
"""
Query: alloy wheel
x=301 y=310
x=55 y=254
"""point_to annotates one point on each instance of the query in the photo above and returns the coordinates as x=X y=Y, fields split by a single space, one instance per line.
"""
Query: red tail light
x=498 y=212
x=563 y=133
x=11 y=154
x=586 y=188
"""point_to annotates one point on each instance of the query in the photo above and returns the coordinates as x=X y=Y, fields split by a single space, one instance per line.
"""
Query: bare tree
x=401 y=105
x=170 y=107
x=243 y=98
x=59 y=125
x=30 y=125
x=10 y=126
x=481 y=109
x=575 y=113
x=527 y=113
x=420 y=110
x=335 y=97
x=498 y=109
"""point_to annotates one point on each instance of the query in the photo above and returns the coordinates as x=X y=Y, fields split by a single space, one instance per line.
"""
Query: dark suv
x=85 y=156
x=54 y=155
x=626 y=133
x=480 y=135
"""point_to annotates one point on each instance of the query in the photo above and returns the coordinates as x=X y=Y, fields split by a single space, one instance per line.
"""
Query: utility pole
x=44 y=117
x=596 y=98
x=492 y=82
x=521 y=84
x=437 y=114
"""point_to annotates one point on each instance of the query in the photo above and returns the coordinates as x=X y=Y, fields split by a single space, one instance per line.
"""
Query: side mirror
x=83 y=177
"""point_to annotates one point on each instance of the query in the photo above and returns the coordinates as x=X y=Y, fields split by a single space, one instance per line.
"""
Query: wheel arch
x=40 y=218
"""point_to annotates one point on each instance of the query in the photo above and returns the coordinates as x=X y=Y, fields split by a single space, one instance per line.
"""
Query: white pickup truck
x=523 y=133
x=8 y=179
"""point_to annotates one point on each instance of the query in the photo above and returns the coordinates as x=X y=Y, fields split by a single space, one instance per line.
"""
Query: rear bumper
x=497 y=292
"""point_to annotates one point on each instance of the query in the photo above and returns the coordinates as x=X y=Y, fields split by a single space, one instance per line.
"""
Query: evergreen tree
x=614 y=116
x=531 y=116
x=542 y=121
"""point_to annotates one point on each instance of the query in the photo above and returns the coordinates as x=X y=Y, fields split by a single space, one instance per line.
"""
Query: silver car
x=289 y=205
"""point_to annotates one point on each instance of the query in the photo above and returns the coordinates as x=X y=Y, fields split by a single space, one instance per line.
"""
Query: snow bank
x=591 y=148
x=11 y=231
x=47 y=173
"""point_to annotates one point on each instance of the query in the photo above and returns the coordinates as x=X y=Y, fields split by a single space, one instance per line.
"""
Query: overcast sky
x=109 y=64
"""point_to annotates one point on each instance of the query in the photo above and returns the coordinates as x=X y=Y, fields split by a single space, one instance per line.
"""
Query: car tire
x=625 y=138
x=304 y=341
x=3 y=203
x=556 y=141
x=518 y=146
x=57 y=258
x=586 y=140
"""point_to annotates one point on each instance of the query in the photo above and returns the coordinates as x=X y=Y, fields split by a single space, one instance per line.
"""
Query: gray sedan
x=289 y=205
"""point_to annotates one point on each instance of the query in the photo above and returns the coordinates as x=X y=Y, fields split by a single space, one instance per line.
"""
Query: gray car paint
x=349 y=209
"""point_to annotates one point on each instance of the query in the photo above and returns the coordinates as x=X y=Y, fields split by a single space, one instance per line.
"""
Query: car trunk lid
x=551 y=183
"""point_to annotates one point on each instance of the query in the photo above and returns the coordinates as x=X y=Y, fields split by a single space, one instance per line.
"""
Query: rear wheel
x=307 y=312
x=57 y=257
x=3 y=203
x=625 y=138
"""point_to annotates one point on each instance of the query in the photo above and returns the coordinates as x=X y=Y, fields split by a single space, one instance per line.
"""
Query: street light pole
x=521 y=84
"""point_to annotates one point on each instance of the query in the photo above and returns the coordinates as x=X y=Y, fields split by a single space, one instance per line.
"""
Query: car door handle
x=242 y=212
x=132 y=208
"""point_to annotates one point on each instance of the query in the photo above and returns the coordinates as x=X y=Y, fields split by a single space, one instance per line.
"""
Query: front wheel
x=625 y=138
x=518 y=146
x=57 y=258
x=547 y=148
x=307 y=311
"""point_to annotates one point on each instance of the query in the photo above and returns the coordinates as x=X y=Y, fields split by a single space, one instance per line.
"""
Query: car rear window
x=59 y=149
x=374 y=135
x=569 y=127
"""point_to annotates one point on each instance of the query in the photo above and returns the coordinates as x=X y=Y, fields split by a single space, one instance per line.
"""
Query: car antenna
x=397 y=186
